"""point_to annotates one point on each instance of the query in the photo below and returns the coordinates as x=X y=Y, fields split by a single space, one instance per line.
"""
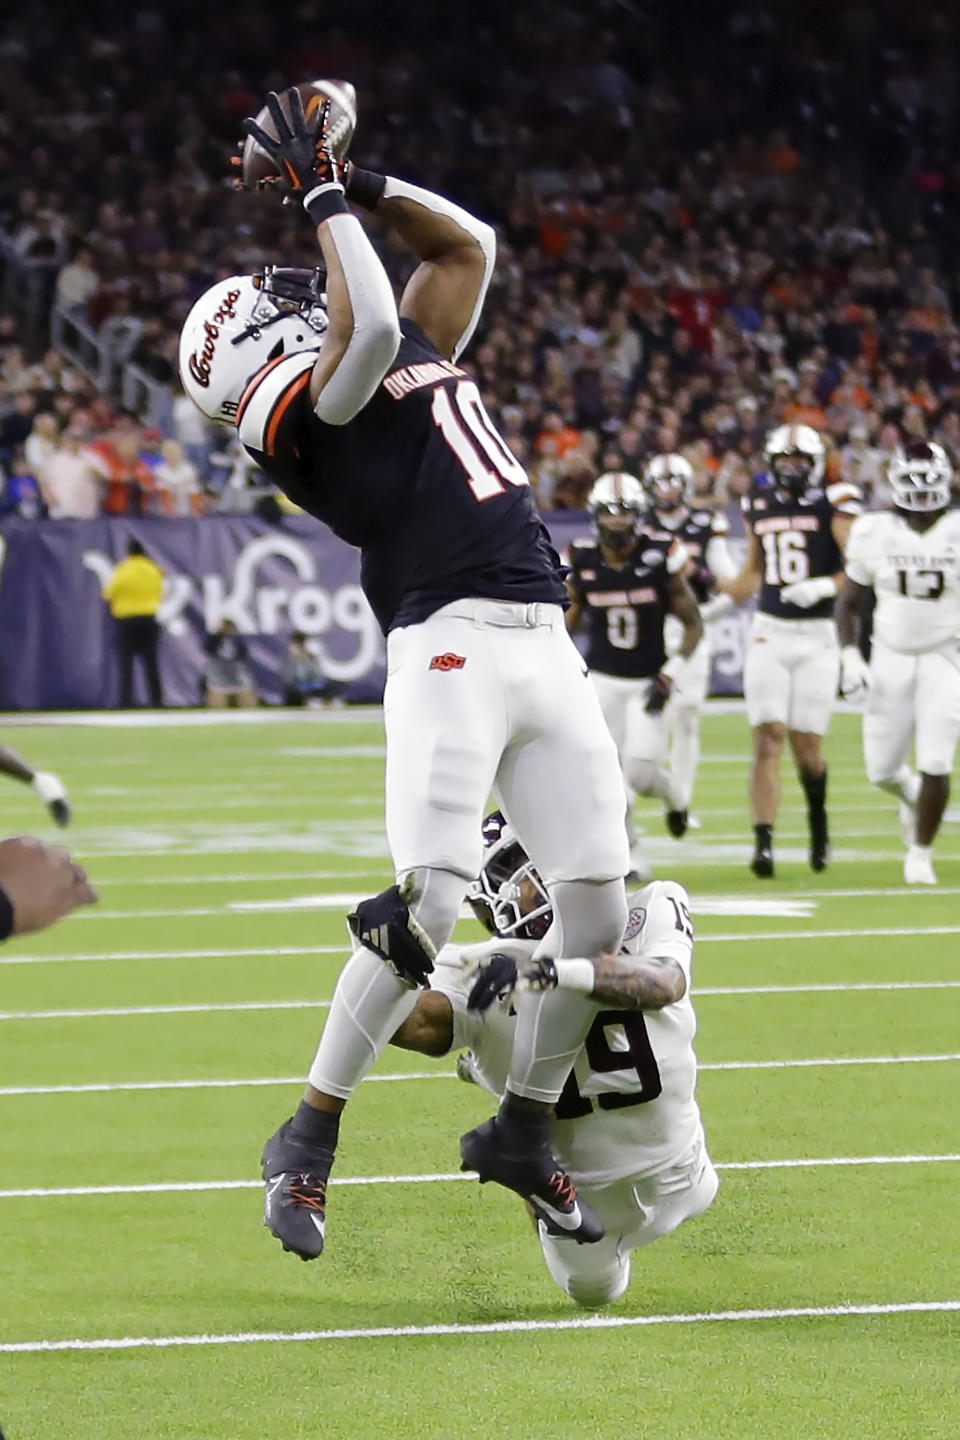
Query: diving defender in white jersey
x=627 y=1125
x=363 y=417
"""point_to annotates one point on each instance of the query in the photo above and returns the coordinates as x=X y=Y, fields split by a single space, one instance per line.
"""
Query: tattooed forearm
x=627 y=983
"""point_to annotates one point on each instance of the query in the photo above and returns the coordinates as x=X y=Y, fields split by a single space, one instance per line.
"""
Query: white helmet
x=669 y=479
x=920 y=476
x=617 y=502
x=796 y=455
x=242 y=323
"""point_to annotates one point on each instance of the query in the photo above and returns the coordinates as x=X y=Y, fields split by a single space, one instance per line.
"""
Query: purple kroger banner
x=57 y=647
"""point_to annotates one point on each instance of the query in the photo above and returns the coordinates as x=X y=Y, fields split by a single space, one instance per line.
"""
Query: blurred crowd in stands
x=704 y=231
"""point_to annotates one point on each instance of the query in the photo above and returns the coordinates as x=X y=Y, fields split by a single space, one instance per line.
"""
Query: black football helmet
x=508 y=897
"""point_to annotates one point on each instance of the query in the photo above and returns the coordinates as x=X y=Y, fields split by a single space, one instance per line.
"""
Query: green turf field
x=149 y=1047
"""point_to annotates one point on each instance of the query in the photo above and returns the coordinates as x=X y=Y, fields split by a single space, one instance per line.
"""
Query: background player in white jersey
x=909 y=558
x=362 y=416
x=624 y=584
x=627 y=1125
x=797 y=531
x=668 y=480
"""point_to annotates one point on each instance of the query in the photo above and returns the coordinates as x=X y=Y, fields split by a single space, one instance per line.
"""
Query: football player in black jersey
x=703 y=533
x=798 y=530
x=362 y=416
x=623 y=586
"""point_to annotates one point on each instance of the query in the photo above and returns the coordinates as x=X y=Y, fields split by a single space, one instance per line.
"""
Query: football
x=341 y=122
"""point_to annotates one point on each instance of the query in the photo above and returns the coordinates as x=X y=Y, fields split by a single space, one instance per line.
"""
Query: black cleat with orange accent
x=536 y=1176
x=295 y=1205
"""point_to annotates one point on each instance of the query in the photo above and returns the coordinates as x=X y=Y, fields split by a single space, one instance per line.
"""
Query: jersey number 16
x=785 y=557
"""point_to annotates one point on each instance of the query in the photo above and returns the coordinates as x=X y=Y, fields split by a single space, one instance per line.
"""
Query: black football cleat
x=295 y=1205
x=819 y=843
x=762 y=862
x=537 y=1178
x=677 y=823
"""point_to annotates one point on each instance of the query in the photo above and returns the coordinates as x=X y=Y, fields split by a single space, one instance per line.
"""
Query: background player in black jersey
x=669 y=480
x=798 y=531
x=364 y=418
x=623 y=586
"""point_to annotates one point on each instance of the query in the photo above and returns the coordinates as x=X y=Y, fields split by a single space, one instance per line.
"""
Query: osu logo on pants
x=448 y=661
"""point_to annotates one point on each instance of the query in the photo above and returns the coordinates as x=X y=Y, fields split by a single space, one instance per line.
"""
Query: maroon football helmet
x=508 y=897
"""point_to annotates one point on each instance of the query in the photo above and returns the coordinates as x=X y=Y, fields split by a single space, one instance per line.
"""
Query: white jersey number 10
x=473 y=438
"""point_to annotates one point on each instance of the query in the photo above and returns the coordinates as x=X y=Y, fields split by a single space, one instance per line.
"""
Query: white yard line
x=264 y=877
x=125 y=1010
x=256 y=1005
x=767 y=935
x=173 y=1187
x=232 y=953
x=494 y=1327
x=241 y=952
x=112 y=1087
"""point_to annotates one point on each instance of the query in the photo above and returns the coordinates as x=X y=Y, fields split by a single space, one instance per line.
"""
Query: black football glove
x=495 y=978
x=385 y=925
x=300 y=153
x=660 y=688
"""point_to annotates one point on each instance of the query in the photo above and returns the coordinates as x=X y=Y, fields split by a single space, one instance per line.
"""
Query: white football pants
x=911 y=697
x=791 y=672
x=635 y=1212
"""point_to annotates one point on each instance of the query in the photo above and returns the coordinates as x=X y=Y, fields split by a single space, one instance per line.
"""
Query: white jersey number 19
x=604 y=1060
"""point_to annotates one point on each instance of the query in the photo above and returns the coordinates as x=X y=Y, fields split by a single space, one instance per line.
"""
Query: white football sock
x=685 y=753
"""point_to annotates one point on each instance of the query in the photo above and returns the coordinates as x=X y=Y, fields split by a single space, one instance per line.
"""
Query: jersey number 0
x=471 y=435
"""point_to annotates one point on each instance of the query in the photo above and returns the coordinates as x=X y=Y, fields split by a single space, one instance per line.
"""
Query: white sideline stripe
x=240 y=953
x=255 y=1005
x=106 y=1087
x=195 y=1186
x=494 y=1327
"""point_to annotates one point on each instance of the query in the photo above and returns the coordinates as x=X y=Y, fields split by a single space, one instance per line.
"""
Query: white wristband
x=575 y=975
x=673 y=667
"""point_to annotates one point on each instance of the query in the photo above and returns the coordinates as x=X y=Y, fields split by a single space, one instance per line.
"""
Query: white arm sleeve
x=485 y=236
x=719 y=560
x=857 y=557
x=376 y=327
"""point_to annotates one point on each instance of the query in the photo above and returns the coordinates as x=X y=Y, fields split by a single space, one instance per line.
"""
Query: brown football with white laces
x=341 y=123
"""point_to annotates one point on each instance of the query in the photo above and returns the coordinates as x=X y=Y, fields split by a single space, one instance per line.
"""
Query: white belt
x=506 y=613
